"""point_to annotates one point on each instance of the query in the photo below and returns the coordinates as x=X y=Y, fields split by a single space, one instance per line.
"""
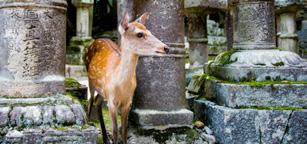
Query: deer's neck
x=127 y=66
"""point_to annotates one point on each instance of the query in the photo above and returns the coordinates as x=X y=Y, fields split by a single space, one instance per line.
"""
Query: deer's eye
x=140 y=35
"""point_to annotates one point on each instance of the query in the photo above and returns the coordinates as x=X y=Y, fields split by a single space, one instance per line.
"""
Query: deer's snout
x=166 y=49
x=163 y=50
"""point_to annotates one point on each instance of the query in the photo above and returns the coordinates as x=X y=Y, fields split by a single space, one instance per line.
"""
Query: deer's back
x=102 y=59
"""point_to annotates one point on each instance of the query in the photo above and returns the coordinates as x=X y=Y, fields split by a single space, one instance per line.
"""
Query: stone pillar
x=256 y=89
x=254 y=25
x=83 y=37
x=197 y=37
x=33 y=108
x=83 y=17
x=287 y=33
x=302 y=34
x=159 y=101
x=303 y=39
x=32 y=50
x=229 y=28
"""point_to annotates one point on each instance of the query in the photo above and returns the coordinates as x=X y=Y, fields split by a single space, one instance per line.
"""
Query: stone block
x=48 y=117
x=79 y=114
x=265 y=95
x=231 y=126
x=196 y=85
x=192 y=72
x=64 y=114
x=160 y=120
x=4 y=116
x=14 y=136
x=32 y=115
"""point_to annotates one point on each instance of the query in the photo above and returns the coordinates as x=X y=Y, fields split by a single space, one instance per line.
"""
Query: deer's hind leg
x=100 y=117
x=91 y=100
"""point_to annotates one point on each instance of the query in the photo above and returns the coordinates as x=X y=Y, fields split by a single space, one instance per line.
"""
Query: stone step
x=161 y=120
x=249 y=94
x=233 y=126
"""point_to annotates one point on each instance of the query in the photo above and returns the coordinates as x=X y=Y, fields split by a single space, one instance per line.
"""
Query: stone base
x=161 y=120
x=32 y=118
x=259 y=65
x=51 y=135
x=232 y=126
x=237 y=95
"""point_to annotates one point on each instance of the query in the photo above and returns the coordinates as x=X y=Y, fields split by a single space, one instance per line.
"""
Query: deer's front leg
x=112 y=112
x=124 y=123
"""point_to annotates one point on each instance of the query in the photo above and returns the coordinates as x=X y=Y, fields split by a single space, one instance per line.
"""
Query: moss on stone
x=271 y=108
x=278 y=64
x=72 y=83
x=192 y=135
x=225 y=58
x=253 y=83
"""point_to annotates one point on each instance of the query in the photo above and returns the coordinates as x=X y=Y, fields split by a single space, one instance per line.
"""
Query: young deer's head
x=137 y=39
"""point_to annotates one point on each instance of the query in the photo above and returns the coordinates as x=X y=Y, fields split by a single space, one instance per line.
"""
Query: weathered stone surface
x=32 y=115
x=67 y=135
x=4 y=116
x=251 y=125
x=297 y=126
x=197 y=37
x=48 y=117
x=254 y=25
x=32 y=47
x=160 y=120
x=259 y=65
x=52 y=100
x=205 y=4
x=192 y=72
x=79 y=113
x=64 y=115
x=243 y=95
x=31 y=112
x=14 y=137
x=196 y=85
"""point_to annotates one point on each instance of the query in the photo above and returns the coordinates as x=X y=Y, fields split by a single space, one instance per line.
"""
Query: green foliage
x=225 y=58
x=254 y=83
x=278 y=64
x=72 y=83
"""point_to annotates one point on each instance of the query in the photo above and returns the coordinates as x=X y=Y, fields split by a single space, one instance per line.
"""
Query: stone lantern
x=286 y=24
x=83 y=36
x=255 y=93
x=33 y=107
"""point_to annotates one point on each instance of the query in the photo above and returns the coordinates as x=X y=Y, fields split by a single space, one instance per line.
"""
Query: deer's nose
x=166 y=49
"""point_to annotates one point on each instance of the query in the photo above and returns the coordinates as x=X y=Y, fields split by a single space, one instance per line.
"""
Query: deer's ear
x=123 y=25
x=143 y=18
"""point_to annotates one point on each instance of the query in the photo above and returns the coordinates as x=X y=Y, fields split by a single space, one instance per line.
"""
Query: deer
x=112 y=71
